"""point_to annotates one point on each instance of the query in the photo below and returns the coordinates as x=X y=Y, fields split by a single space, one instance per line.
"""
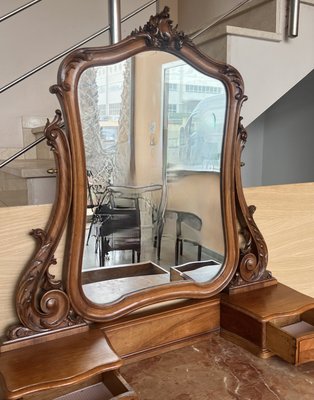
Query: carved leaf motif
x=160 y=33
x=236 y=80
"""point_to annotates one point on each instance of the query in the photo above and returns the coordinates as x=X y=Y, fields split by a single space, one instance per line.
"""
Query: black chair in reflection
x=96 y=196
x=119 y=226
x=186 y=227
x=120 y=229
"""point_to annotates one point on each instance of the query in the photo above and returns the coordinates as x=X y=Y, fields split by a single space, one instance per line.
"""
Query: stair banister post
x=115 y=21
x=294 y=10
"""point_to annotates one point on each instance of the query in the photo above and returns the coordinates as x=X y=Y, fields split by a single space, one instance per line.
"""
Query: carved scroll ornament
x=159 y=32
x=41 y=302
x=253 y=250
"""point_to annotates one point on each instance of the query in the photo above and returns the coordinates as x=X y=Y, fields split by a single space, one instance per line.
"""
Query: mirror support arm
x=115 y=21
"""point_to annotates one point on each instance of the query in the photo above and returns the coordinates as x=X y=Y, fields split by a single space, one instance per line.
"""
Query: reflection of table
x=127 y=235
x=132 y=191
x=118 y=218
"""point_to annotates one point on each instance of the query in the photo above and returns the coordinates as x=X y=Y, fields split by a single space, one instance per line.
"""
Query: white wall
x=281 y=142
x=270 y=68
x=34 y=36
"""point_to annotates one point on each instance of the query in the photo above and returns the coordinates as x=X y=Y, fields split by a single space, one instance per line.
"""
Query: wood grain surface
x=285 y=216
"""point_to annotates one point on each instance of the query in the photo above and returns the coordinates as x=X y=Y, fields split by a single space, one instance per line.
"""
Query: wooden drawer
x=292 y=338
x=112 y=387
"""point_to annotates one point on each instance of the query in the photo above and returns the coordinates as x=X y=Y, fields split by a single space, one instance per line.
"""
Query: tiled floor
x=219 y=370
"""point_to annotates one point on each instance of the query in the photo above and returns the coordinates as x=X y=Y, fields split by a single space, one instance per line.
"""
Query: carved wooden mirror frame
x=44 y=304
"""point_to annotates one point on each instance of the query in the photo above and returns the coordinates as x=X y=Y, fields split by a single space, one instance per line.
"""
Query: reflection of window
x=202 y=89
x=114 y=109
x=109 y=133
x=116 y=86
x=172 y=108
x=194 y=118
x=173 y=87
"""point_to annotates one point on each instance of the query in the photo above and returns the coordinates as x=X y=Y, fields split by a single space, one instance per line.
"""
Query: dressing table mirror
x=162 y=248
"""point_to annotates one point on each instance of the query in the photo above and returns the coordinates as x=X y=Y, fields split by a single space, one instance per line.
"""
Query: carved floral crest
x=160 y=32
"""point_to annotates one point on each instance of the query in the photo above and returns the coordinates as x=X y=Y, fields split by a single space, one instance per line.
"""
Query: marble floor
x=219 y=370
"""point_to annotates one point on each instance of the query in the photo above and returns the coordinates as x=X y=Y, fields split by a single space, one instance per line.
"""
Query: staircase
x=30 y=179
x=254 y=40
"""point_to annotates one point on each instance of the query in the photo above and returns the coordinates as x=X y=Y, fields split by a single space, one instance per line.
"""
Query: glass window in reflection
x=194 y=117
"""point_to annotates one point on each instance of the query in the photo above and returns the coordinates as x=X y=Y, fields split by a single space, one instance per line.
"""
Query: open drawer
x=112 y=387
x=292 y=337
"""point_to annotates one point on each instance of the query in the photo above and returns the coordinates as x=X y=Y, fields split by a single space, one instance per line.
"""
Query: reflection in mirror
x=153 y=130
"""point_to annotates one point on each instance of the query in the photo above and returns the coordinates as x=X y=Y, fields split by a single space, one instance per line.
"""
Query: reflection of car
x=201 y=137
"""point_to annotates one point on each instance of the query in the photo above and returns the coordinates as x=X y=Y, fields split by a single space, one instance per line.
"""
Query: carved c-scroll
x=253 y=250
x=41 y=302
x=237 y=81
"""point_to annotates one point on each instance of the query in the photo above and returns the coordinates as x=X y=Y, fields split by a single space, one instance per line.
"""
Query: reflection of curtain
x=108 y=165
x=99 y=162
x=121 y=174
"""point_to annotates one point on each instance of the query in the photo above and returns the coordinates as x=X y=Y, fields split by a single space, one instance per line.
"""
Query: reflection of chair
x=120 y=229
x=186 y=228
x=96 y=195
x=117 y=218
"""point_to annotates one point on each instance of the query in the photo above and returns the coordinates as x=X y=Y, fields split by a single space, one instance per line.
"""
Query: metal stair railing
x=18 y=10
x=220 y=18
x=22 y=151
x=74 y=47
